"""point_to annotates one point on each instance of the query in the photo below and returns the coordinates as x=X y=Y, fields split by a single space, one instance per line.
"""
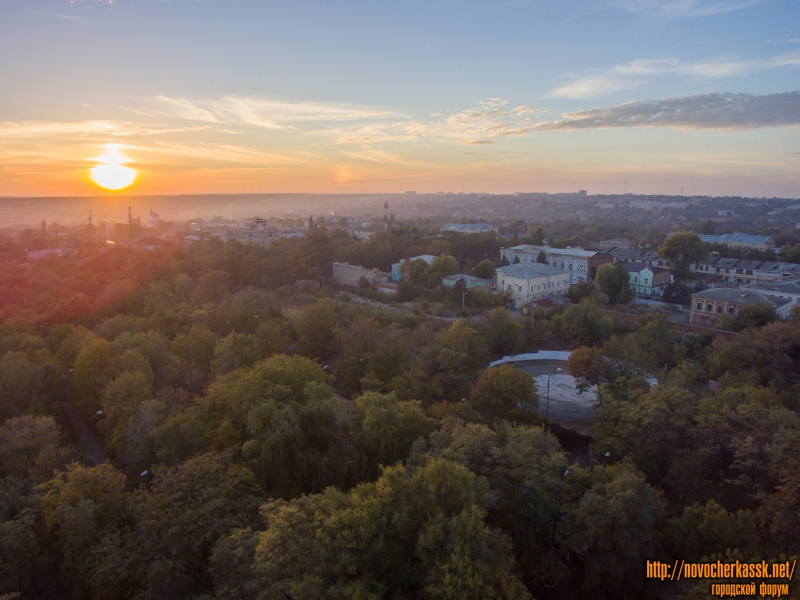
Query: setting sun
x=111 y=173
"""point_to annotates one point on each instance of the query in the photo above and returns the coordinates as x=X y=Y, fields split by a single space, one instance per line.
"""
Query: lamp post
x=547 y=414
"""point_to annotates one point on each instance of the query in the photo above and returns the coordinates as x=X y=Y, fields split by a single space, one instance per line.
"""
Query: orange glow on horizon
x=111 y=173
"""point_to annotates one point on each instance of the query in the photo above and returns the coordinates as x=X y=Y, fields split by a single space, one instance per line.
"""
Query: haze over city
x=195 y=97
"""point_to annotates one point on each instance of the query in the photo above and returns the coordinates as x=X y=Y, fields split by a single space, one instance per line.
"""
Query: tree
x=409 y=534
x=705 y=530
x=502 y=389
x=235 y=351
x=121 y=399
x=614 y=282
x=484 y=269
x=314 y=327
x=460 y=354
x=441 y=266
x=584 y=324
x=615 y=525
x=683 y=249
x=752 y=315
x=30 y=448
x=78 y=506
x=525 y=469
x=541 y=258
x=503 y=333
x=382 y=431
x=174 y=524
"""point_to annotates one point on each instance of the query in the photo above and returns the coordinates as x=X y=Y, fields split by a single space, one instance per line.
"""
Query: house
x=645 y=257
x=744 y=272
x=147 y=242
x=152 y=219
x=398 y=268
x=468 y=228
x=363 y=233
x=647 y=281
x=621 y=243
x=776 y=271
x=528 y=282
x=781 y=289
x=709 y=305
x=741 y=240
x=581 y=264
x=347 y=274
x=469 y=281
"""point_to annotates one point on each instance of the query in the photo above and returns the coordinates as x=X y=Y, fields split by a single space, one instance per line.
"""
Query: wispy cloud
x=703 y=111
x=61 y=16
x=684 y=8
x=483 y=124
x=629 y=76
x=258 y=112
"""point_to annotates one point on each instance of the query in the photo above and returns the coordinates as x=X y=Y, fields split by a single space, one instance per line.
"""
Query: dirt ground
x=567 y=406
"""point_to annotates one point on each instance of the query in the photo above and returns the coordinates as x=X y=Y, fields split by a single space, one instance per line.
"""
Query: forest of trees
x=259 y=440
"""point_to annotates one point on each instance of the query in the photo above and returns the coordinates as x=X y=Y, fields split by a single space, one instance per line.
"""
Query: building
x=710 y=305
x=347 y=274
x=249 y=234
x=397 y=268
x=743 y=272
x=363 y=233
x=645 y=257
x=528 y=282
x=469 y=228
x=581 y=264
x=469 y=281
x=647 y=281
x=621 y=243
x=741 y=240
x=782 y=289
x=152 y=219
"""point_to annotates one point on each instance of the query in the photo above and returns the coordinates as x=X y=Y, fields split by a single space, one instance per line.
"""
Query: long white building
x=529 y=282
x=580 y=263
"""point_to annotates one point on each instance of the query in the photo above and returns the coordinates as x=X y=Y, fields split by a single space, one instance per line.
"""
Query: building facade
x=528 y=282
x=741 y=240
x=581 y=264
x=468 y=280
x=469 y=228
x=647 y=281
x=347 y=274
x=398 y=267
x=710 y=305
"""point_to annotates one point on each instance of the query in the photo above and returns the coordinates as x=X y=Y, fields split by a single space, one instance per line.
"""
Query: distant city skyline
x=359 y=96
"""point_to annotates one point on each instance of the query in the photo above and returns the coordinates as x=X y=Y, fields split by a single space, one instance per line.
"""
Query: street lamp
x=547 y=415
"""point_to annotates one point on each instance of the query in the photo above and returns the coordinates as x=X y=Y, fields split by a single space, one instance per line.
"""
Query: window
x=719 y=308
x=635 y=280
x=570 y=266
x=520 y=288
x=710 y=307
x=646 y=281
x=562 y=265
x=730 y=310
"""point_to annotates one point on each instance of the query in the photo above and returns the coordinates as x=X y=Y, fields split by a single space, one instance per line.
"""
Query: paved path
x=81 y=427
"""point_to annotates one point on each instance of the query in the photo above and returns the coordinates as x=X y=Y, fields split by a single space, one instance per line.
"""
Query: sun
x=111 y=173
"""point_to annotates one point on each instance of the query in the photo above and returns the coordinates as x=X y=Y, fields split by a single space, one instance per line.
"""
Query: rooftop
x=530 y=270
x=739 y=296
x=576 y=251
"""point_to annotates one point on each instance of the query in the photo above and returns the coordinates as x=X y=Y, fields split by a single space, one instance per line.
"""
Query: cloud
x=684 y=8
x=62 y=17
x=703 y=111
x=628 y=76
x=491 y=119
x=258 y=112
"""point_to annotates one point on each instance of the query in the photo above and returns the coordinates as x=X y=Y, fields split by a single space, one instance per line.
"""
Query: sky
x=351 y=96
